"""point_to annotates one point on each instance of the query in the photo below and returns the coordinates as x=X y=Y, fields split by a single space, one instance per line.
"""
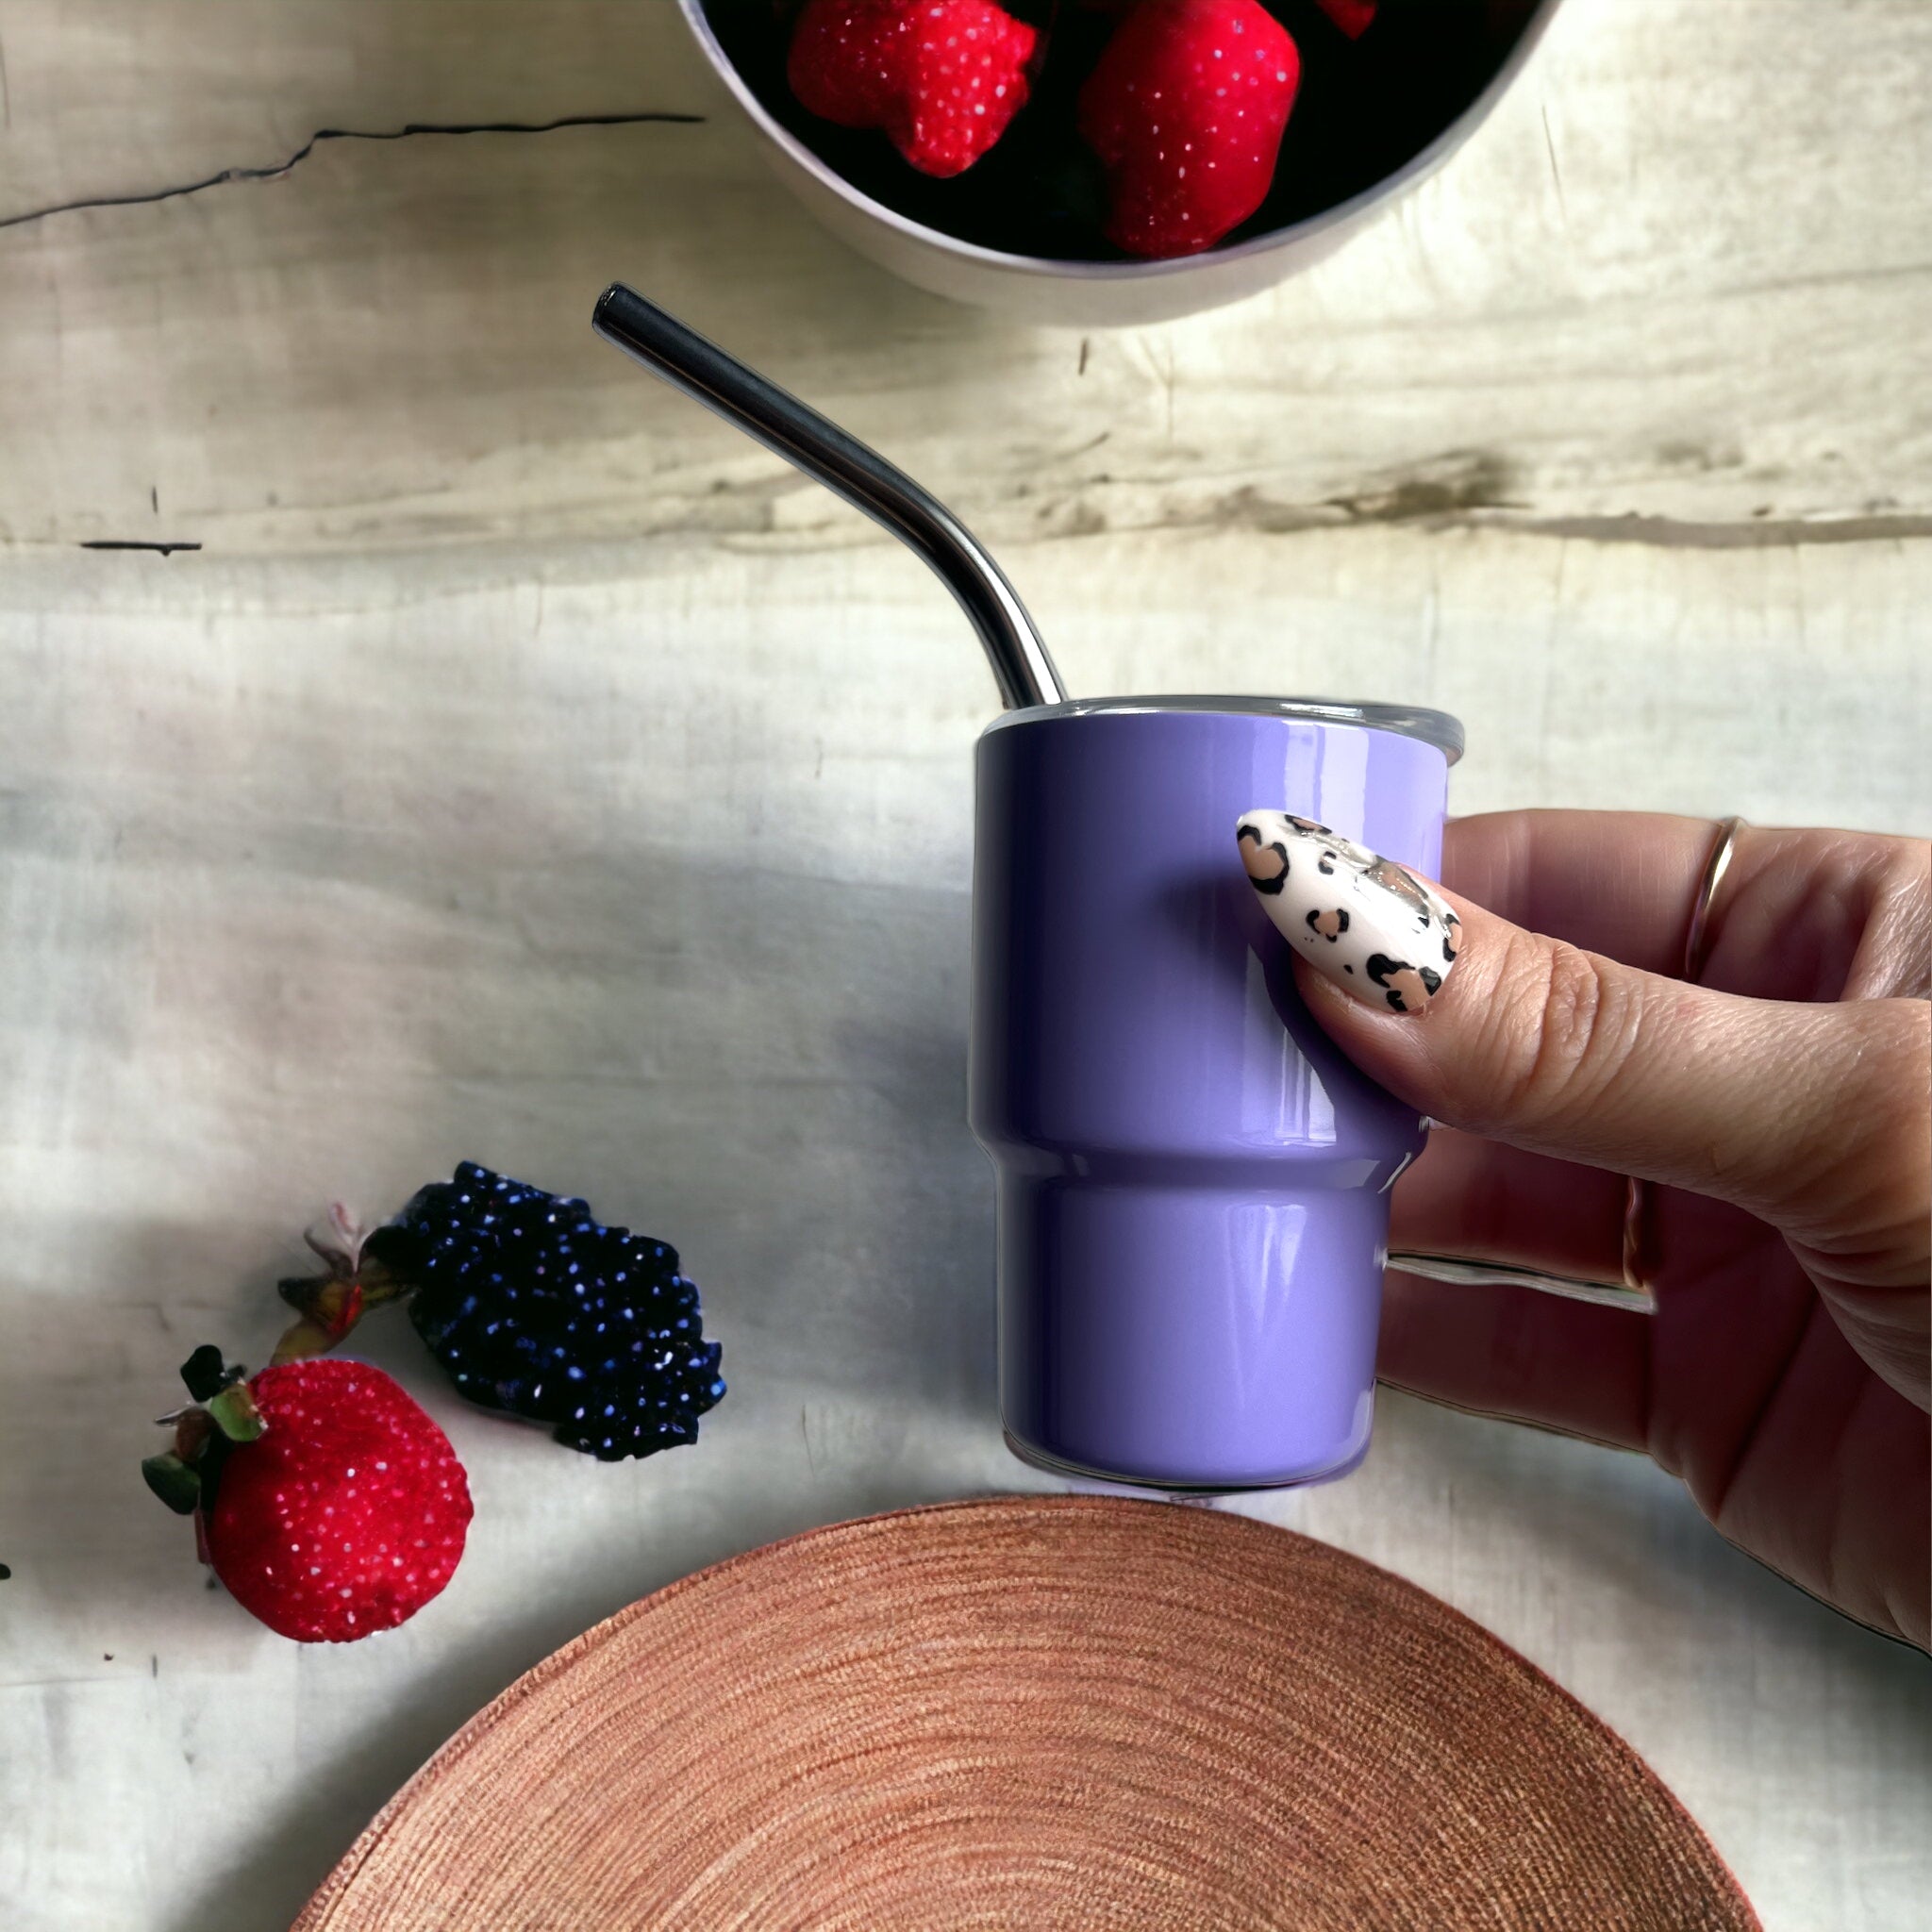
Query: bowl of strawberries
x=1092 y=163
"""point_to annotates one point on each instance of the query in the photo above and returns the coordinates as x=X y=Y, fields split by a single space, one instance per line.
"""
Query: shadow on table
x=291 y=1854
x=1625 y=1541
x=766 y=1068
x=1585 y=1556
x=1614 y=1515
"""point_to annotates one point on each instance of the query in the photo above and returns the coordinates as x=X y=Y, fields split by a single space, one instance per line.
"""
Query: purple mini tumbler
x=1193 y=1183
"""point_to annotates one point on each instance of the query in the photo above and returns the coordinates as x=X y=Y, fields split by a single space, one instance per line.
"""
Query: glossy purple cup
x=1193 y=1183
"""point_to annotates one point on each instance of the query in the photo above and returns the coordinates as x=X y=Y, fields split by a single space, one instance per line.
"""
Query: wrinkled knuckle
x=1868 y=1168
x=1899 y=927
x=1581 y=1035
x=1885 y=1091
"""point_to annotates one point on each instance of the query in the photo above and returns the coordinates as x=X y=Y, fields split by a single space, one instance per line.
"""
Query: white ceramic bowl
x=1089 y=295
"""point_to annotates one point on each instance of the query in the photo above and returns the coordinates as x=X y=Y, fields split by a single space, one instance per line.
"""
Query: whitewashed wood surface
x=523 y=768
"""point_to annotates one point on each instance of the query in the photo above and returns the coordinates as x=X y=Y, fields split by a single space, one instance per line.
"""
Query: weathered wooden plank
x=1681 y=278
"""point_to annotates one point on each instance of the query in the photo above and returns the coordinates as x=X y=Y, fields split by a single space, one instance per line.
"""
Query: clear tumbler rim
x=1408 y=721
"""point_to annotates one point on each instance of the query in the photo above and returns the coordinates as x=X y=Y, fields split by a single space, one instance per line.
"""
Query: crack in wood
x=1556 y=171
x=276 y=171
x=132 y=543
x=1677 y=533
x=1473 y=500
x=1077 y=518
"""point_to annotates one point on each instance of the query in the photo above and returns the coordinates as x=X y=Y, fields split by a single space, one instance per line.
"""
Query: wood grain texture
x=524 y=769
x=1600 y=313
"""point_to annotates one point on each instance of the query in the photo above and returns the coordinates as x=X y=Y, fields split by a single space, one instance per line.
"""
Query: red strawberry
x=942 y=77
x=346 y=1514
x=1353 y=17
x=1185 y=108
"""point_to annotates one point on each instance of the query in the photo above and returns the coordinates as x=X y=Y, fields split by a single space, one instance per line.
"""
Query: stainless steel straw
x=1020 y=661
x=818 y=446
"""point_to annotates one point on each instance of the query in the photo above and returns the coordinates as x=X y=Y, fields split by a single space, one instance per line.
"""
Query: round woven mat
x=1062 y=1712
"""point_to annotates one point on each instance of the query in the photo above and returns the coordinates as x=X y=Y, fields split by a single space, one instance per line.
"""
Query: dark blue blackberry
x=534 y=1309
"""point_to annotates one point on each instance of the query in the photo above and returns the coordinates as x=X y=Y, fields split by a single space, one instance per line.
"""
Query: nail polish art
x=1366 y=922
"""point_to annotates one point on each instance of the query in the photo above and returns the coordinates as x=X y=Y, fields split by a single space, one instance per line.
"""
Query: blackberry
x=534 y=1309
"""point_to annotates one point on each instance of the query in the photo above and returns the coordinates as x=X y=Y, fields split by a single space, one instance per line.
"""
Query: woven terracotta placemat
x=1033 y=1713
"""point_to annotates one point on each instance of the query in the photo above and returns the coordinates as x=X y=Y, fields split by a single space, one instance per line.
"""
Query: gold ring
x=1697 y=934
x=1634 y=1291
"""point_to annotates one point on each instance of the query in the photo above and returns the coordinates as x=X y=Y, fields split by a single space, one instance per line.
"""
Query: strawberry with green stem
x=323 y=1496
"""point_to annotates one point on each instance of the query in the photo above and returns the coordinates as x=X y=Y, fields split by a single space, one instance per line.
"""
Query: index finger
x=1619 y=883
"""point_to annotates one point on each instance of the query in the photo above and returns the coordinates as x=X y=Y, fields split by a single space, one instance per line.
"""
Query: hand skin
x=1780 y=1110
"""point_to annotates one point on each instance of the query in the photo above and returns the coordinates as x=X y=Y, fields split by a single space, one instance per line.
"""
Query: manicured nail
x=1366 y=922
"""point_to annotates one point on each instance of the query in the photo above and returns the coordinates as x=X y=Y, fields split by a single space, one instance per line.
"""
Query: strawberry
x=1186 y=110
x=1353 y=17
x=326 y=1500
x=942 y=77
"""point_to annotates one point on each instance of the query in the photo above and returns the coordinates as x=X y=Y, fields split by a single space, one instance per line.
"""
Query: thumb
x=1780 y=1108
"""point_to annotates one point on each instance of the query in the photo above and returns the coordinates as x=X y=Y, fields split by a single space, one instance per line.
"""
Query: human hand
x=1779 y=1109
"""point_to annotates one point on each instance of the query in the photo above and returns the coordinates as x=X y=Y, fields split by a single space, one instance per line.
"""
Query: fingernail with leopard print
x=1369 y=925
